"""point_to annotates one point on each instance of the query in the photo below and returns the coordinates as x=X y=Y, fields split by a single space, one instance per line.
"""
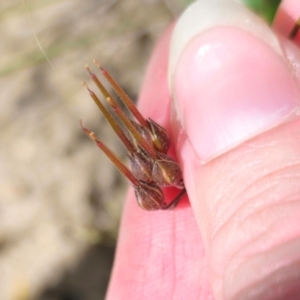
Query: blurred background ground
x=60 y=198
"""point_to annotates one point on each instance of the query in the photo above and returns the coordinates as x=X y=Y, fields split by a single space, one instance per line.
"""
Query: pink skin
x=286 y=18
x=240 y=237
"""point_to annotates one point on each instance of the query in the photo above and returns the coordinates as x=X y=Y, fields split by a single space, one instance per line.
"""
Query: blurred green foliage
x=265 y=8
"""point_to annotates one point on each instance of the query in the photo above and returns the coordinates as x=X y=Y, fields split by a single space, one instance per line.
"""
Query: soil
x=60 y=197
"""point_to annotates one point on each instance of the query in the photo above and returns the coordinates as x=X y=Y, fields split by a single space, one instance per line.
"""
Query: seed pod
x=146 y=143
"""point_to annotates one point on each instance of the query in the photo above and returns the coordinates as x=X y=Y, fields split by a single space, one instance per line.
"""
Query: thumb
x=238 y=139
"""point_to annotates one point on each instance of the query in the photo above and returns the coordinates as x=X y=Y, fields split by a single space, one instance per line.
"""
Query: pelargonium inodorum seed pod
x=147 y=144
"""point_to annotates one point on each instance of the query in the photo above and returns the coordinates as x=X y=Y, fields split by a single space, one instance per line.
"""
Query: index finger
x=160 y=254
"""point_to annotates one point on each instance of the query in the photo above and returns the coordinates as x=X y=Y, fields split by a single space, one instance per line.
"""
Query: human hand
x=235 y=103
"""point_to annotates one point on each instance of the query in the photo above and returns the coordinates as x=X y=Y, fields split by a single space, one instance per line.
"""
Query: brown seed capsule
x=167 y=172
x=147 y=144
x=149 y=196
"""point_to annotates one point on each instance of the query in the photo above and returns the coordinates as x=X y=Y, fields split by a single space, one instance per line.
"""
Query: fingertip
x=287 y=15
x=228 y=77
